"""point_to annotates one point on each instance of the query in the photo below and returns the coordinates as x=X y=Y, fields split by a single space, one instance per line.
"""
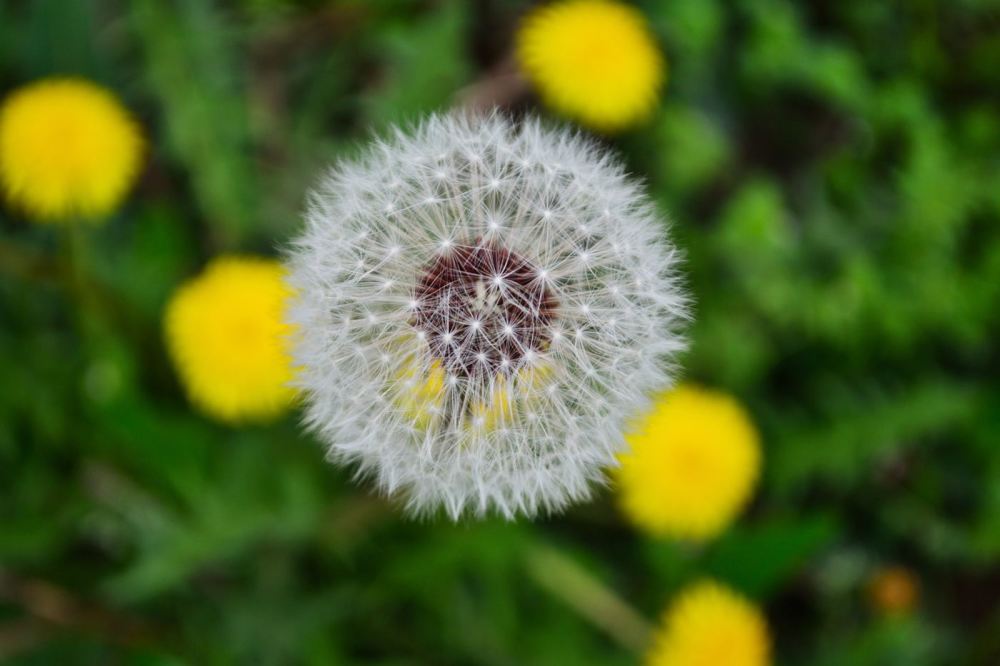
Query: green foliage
x=190 y=63
x=424 y=64
x=758 y=559
x=831 y=173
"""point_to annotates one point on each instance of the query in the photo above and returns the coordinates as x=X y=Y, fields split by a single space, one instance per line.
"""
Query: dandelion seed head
x=500 y=392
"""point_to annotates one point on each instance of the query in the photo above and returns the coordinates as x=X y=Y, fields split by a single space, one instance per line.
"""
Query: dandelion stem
x=79 y=282
x=564 y=578
x=502 y=87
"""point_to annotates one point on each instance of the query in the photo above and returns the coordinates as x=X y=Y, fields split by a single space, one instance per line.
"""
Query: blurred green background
x=833 y=172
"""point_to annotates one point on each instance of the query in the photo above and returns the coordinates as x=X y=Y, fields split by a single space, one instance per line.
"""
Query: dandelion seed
x=500 y=416
x=67 y=148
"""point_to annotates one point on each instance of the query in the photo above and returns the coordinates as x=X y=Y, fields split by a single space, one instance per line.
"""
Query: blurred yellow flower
x=226 y=336
x=592 y=60
x=893 y=590
x=693 y=463
x=709 y=625
x=67 y=148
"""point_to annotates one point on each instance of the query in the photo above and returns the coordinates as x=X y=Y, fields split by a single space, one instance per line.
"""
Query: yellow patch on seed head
x=422 y=391
x=498 y=408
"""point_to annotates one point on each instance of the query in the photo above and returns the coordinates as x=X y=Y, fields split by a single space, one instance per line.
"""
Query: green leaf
x=424 y=65
x=759 y=559
x=191 y=68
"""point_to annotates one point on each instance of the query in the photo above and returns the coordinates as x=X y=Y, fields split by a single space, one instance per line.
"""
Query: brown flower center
x=484 y=309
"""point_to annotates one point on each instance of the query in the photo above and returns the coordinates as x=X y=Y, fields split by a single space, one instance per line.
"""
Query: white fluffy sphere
x=481 y=307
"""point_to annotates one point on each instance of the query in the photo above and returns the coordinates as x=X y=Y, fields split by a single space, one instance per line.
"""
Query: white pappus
x=481 y=306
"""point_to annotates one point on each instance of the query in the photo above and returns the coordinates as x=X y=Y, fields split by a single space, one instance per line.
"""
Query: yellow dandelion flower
x=894 y=590
x=693 y=463
x=592 y=60
x=226 y=335
x=710 y=625
x=67 y=148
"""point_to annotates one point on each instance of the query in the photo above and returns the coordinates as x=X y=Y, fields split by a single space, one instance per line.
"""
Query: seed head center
x=483 y=308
